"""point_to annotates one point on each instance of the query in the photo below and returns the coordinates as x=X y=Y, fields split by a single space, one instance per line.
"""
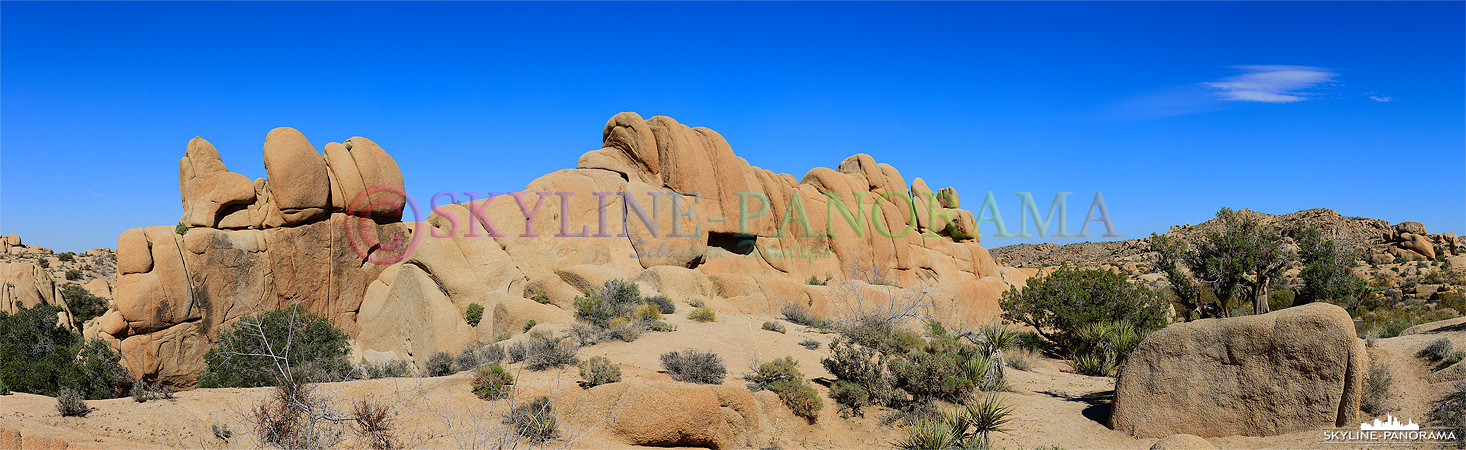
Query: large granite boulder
x=1295 y=369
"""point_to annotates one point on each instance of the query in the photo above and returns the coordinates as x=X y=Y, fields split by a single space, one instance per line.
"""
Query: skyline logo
x=1391 y=423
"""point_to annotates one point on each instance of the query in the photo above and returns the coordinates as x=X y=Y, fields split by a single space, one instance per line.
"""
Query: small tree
x=261 y=349
x=1325 y=271
x=1059 y=304
x=84 y=306
x=474 y=314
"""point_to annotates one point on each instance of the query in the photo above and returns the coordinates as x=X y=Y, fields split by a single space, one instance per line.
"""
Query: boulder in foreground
x=1295 y=369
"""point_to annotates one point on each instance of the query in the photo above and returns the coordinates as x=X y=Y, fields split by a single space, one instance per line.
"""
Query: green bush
x=814 y=281
x=308 y=343
x=44 y=263
x=801 y=398
x=863 y=366
x=850 y=397
x=73 y=274
x=529 y=325
x=181 y=229
x=474 y=314
x=663 y=304
x=1092 y=365
x=66 y=257
x=84 y=306
x=1059 y=304
x=534 y=420
x=71 y=404
x=598 y=370
x=39 y=356
x=491 y=382
x=934 y=376
x=694 y=366
x=703 y=314
x=774 y=326
x=663 y=326
x=810 y=344
x=773 y=371
x=648 y=312
x=541 y=298
x=1456 y=357
x=617 y=298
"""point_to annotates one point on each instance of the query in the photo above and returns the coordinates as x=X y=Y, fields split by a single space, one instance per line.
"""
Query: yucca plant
x=987 y=415
x=929 y=434
x=997 y=337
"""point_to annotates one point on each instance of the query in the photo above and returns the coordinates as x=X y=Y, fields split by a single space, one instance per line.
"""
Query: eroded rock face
x=664 y=414
x=1291 y=370
x=212 y=195
x=671 y=223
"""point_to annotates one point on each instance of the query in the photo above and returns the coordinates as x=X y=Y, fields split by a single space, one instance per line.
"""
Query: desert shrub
x=529 y=324
x=814 y=281
x=491 y=382
x=773 y=371
x=616 y=298
x=70 y=403
x=467 y=359
x=1438 y=350
x=4 y=388
x=648 y=312
x=375 y=425
x=849 y=397
x=541 y=298
x=598 y=370
x=534 y=420
x=221 y=431
x=143 y=392
x=624 y=330
x=1392 y=321
x=863 y=366
x=66 y=257
x=181 y=229
x=516 y=352
x=475 y=314
x=696 y=302
x=585 y=334
x=945 y=376
x=73 y=274
x=544 y=352
x=1452 y=300
x=84 y=306
x=1019 y=359
x=438 y=364
x=1450 y=412
x=44 y=263
x=662 y=326
x=774 y=326
x=1059 y=304
x=800 y=397
x=1375 y=398
x=306 y=342
x=663 y=304
x=796 y=314
x=388 y=369
x=810 y=344
x=1456 y=357
x=703 y=314
x=694 y=366
x=39 y=356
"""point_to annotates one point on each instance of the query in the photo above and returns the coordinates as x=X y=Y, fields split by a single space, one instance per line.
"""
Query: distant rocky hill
x=1377 y=241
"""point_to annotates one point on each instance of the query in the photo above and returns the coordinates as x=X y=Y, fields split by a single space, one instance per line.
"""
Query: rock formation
x=1295 y=369
x=677 y=212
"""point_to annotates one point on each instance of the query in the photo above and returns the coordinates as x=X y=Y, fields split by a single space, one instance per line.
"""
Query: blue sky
x=1172 y=110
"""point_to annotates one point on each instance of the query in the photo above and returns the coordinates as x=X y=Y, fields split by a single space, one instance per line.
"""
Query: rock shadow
x=1099 y=404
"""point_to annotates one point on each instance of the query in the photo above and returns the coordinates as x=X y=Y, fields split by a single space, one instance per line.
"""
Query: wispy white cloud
x=1272 y=84
x=1381 y=98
